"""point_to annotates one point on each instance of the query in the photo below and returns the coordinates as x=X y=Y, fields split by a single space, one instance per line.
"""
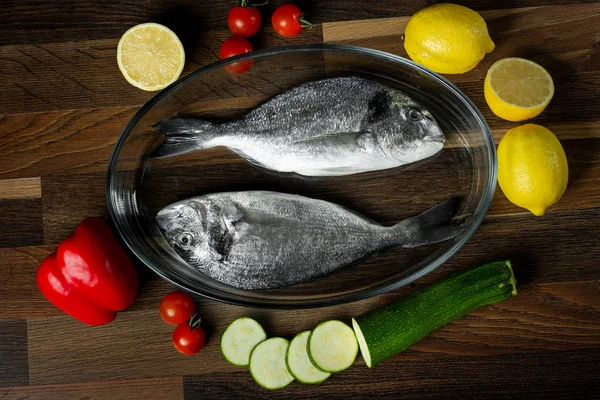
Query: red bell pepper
x=89 y=276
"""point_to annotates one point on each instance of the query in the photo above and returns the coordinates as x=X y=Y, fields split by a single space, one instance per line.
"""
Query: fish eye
x=185 y=239
x=414 y=115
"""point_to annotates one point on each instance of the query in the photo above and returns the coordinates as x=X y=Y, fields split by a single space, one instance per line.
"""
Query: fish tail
x=183 y=135
x=432 y=226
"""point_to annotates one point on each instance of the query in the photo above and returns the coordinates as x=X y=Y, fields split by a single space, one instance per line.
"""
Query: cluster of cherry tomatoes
x=245 y=20
x=178 y=308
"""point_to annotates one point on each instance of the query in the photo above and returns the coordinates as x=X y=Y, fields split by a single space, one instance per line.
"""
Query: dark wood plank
x=556 y=375
x=84 y=74
x=503 y=227
x=20 y=297
x=542 y=261
x=105 y=19
x=65 y=104
x=22 y=223
x=372 y=194
x=564 y=131
x=138 y=343
x=81 y=141
x=33 y=21
x=13 y=353
x=332 y=10
x=21 y=200
x=555 y=248
x=156 y=389
x=564 y=255
x=546 y=317
x=77 y=152
x=582 y=191
x=64 y=76
x=60 y=142
x=561 y=38
x=541 y=318
x=68 y=199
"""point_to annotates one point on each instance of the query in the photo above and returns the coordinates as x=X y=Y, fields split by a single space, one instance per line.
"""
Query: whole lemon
x=447 y=38
x=532 y=168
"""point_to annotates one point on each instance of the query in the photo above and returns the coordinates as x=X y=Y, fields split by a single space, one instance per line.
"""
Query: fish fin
x=183 y=135
x=432 y=226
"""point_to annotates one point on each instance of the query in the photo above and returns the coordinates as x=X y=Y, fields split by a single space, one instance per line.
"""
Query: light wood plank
x=22 y=188
x=341 y=31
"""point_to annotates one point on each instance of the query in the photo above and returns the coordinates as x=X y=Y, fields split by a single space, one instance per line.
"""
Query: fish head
x=406 y=130
x=186 y=226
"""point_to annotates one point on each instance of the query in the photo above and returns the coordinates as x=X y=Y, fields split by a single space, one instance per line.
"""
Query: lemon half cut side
x=517 y=89
x=150 y=56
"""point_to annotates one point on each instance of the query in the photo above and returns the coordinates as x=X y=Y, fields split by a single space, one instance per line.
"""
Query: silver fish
x=336 y=126
x=263 y=240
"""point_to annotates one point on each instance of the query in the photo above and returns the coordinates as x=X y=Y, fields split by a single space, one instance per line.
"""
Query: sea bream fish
x=336 y=126
x=264 y=240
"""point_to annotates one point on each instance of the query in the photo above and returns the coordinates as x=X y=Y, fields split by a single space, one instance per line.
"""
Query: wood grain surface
x=64 y=103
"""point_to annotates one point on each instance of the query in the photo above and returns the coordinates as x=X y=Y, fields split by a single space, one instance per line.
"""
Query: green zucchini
x=393 y=328
x=299 y=363
x=332 y=346
x=267 y=364
x=240 y=338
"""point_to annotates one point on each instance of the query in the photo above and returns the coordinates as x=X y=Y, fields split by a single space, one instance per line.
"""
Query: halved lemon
x=150 y=56
x=517 y=89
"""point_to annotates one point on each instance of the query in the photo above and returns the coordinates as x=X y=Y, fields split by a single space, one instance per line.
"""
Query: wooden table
x=63 y=103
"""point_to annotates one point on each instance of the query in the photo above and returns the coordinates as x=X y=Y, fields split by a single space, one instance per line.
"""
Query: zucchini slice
x=332 y=346
x=393 y=328
x=267 y=364
x=240 y=338
x=299 y=363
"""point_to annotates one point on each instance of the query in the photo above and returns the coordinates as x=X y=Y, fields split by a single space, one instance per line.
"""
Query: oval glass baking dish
x=138 y=185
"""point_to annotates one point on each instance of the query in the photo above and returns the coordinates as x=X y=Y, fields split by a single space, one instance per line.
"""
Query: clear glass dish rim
x=230 y=298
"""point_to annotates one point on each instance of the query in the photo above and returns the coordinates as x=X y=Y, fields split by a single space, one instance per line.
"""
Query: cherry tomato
x=232 y=47
x=289 y=21
x=189 y=338
x=177 y=307
x=244 y=21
